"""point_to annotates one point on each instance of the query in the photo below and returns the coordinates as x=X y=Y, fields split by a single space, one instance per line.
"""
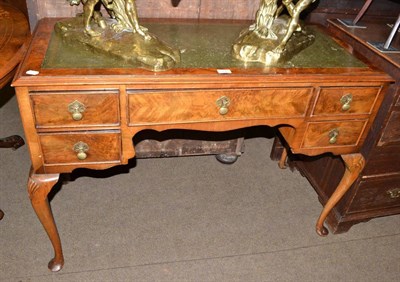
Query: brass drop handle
x=394 y=193
x=346 y=102
x=81 y=148
x=76 y=108
x=223 y=104
x=333 y=135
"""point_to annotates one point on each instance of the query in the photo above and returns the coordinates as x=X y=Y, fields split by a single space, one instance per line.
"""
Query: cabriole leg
x=39 y=186
x=354 y=165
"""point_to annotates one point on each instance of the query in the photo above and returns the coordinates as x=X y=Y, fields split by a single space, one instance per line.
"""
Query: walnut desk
x=82 y=111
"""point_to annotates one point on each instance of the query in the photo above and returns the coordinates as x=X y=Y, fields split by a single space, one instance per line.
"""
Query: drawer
x=377 y=193
x=164 y=107
x=60 y=148
x=83 y=108
x=333 y=134
x=345 y=100
x=383 y=160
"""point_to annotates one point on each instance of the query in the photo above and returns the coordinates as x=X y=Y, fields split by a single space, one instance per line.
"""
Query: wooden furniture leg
x=39 y=186
x=283 y=159
x=13 y=141
x=1 y=214
x=354 y=165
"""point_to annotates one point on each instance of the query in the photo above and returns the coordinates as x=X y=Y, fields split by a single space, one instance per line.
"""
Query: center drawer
x=187 y=106
x=81 y=147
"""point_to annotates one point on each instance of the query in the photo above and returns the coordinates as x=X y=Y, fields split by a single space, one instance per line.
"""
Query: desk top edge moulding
x=79 y=111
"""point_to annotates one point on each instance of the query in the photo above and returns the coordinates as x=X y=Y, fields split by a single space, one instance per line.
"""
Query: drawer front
x=75 y=109
x=333 y=134
x=80 y=147
x=377 y=193
x=214 y=105
x=383 y=160
x=345 y=100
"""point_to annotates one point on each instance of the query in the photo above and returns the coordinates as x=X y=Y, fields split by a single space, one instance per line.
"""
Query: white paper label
x=224 y=71
x=32 y=72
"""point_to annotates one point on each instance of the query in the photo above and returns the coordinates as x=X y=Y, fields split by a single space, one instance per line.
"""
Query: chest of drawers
x=79 y=115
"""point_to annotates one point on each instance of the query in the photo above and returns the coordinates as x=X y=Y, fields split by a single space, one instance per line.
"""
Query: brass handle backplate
x=223 y=104
x=76 y=108
x=333 y=135
x=81 y=149
x=346 y=102
x=394 y=193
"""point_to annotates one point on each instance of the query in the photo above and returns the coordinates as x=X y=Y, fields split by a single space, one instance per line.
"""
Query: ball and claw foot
x=322 y=231
x=55 y=266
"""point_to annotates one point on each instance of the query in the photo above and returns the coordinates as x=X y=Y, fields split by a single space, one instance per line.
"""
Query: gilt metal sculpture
x=273 y=38
x=120 y=35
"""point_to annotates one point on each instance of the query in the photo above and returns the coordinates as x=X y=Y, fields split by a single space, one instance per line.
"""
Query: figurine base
x=250 y=47
x=146 y=52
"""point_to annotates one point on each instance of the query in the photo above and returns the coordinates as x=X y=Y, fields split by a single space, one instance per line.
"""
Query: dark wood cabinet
x=348 y=9
x=376 y=192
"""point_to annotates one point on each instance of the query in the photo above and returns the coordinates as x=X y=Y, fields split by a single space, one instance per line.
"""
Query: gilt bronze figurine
x=273 y=38
x=120 y=35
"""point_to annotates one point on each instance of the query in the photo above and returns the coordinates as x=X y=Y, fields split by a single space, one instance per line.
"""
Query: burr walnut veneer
x=85 y=115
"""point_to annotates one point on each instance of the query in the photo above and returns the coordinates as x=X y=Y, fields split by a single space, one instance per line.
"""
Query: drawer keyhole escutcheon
x=394 y=193
x=333 y=135
x=346 y=102
x=81 y=148
x=76 y=108
x=223 y=104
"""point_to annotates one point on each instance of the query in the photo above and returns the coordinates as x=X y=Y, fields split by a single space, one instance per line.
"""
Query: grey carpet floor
x=185 y=219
